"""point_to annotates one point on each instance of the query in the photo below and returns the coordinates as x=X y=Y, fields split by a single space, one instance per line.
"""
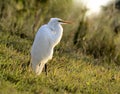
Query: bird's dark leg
x=46 y=69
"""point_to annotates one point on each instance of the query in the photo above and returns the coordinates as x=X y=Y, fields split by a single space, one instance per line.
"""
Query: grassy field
x=87 y=60
x=69 y=72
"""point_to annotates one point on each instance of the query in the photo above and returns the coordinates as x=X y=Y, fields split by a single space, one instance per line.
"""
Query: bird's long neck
x=56 y=32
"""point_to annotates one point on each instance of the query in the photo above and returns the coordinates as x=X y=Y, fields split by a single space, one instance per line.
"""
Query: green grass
x=70 y=72
x=91 y=67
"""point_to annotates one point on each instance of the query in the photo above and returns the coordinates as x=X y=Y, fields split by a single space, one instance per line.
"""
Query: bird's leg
x=46 y=69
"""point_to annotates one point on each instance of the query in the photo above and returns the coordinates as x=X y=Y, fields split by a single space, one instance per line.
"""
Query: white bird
x=47 y=37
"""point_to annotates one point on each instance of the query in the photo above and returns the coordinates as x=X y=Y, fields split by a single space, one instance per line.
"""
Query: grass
x=69 y=71
x=91 y=66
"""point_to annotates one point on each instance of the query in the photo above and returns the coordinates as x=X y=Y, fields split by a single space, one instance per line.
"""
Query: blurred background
x=95 y=28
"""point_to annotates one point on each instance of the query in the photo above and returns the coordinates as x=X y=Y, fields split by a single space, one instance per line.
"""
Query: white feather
x=47 y=37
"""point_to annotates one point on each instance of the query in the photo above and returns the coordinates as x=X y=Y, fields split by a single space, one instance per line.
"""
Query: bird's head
x=59 y=21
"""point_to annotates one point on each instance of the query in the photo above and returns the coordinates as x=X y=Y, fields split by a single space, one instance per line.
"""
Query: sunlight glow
x=94 y=6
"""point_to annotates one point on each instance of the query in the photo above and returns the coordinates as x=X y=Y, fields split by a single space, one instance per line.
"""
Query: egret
x=47 y=37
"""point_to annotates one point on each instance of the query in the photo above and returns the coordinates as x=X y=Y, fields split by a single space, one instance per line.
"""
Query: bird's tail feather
x=39 y=68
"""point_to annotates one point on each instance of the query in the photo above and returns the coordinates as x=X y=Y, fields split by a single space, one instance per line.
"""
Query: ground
x=69 y=72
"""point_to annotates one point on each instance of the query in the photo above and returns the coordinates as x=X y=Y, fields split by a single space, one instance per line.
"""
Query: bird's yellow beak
x=65 y=22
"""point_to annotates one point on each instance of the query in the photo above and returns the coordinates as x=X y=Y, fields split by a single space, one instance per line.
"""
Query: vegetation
x=85 y=62
x=99 y=36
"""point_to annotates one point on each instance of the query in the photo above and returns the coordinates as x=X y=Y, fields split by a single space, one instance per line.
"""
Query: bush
x=25 y=17
x=97 y=37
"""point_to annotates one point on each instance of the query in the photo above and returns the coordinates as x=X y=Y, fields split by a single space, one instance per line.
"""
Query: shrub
x=96 y=36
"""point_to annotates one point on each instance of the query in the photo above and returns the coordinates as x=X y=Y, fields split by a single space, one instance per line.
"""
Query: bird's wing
x=41 y=48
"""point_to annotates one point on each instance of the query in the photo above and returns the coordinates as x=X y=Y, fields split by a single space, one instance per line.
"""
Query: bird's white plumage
x=47 y=37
